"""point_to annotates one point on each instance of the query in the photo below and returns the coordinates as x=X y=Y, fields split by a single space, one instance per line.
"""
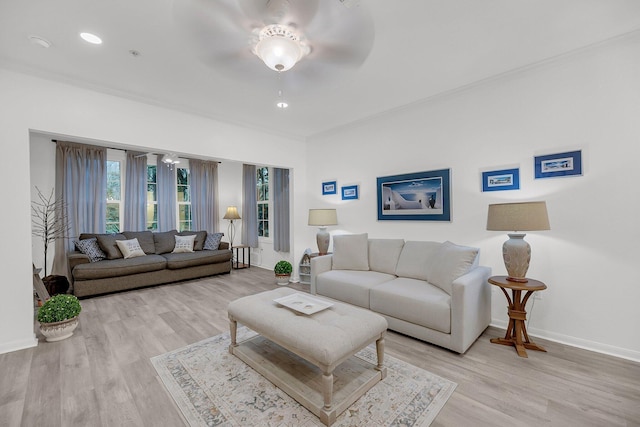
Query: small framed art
x=561 y=164
x=505 y=179
x=350 y=192
x=329 y=187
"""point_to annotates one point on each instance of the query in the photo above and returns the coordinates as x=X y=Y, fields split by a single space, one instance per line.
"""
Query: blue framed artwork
x=350 y=192
x=506 y=179
x=329 y=187
x=561 y=164
x=419 y=196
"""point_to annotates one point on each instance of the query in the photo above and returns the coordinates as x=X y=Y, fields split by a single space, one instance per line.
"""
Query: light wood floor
x=102 y=375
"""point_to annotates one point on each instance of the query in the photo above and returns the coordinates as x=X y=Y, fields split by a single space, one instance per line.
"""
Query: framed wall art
x=329 y=187
x=350 y=192
x=505 y=179
x=561 y=164
x=419 y=196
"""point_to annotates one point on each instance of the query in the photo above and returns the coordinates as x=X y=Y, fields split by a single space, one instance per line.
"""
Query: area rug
x=214 y=388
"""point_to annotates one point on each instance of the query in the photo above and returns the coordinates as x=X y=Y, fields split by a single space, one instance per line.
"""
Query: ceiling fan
x=308 y=37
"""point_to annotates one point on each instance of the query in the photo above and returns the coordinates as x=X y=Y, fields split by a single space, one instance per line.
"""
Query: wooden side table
x=237 y=264
x=516 y=335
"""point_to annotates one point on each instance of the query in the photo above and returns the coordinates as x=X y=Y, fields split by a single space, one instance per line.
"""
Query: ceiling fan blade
x=295 y=13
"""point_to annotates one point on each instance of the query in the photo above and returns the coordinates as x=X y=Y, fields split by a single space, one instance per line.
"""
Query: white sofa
x=432 y=291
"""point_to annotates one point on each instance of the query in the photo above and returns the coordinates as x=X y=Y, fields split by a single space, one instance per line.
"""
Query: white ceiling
x=422 y=48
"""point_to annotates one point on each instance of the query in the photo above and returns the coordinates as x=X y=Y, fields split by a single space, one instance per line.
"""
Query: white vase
x=57 y=331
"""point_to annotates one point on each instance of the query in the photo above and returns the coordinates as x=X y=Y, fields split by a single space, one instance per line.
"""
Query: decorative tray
x=303 y=303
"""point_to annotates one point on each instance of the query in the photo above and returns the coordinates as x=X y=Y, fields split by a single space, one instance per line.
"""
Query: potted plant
x=283 y=272
x=58 y=317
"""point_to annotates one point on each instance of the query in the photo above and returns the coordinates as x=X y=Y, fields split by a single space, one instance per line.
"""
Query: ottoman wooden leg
x=233 y=329
x=327 y=389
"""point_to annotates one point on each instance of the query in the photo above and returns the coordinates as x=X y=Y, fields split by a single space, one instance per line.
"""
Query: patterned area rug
x=214 y=388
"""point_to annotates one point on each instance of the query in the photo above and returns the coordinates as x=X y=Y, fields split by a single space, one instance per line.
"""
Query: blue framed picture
x=350 y=192
x=329 y=187
x=561 y=164
x=506 y=179
x=420 y=196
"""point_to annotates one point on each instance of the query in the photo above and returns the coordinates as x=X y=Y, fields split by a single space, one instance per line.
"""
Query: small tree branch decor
x=49 y=220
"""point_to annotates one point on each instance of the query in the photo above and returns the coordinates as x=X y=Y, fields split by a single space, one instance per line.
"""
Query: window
x=114 y=196
x=184 y=199
x=263 y=201
x=152 y=198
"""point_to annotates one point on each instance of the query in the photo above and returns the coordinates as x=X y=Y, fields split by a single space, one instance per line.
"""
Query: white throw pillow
x=415 y=259
x=450 y=262
x=130 y=248
x=184 y=244
x=351 y=252
x=384 y=254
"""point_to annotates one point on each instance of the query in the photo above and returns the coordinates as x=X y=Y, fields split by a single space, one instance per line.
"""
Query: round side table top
x=531 y=285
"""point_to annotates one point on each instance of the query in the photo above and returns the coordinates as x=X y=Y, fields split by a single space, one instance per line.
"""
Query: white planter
x=59 y=330
x=283 y=279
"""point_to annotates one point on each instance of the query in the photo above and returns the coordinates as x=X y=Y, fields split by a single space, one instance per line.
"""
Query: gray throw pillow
x=164 y=241
x=90 y=248
x=212 y=243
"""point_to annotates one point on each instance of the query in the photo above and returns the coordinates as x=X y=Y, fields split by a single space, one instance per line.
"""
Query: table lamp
x=323 y=218
x=516 y=217
x=231 y=214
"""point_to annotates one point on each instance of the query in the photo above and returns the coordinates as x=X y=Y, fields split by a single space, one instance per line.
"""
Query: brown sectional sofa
x=158 y=266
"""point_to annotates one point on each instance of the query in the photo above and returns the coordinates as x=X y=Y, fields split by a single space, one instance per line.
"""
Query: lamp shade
x=524 y=216
x=323 y=217
x=232 y=213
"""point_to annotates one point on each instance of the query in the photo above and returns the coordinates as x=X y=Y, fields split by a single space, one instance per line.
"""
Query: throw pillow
x=201 y=236
x=145 y=238
x=384 y=253
x=212 y=243
x=130 y=248
x=164 y=241
x=415 y=259
x=90 y=248
x=351 y=252
x=450 y=262
x=184 y=244
x=108 y=244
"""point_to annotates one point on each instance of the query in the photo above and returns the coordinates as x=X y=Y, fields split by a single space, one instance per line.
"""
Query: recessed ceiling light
x=282 y=104
x=91 y=38
x=39 y=41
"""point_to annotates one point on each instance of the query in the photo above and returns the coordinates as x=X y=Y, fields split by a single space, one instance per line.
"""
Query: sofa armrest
x=223 y=245
x=319 y=264
x=470 y=307
x=76 y=258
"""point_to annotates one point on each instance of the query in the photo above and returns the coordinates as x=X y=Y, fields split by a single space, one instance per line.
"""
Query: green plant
x=283 y=267
x=58 y=308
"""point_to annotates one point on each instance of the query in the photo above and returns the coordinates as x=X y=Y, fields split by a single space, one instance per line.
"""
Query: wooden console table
x=516 y=335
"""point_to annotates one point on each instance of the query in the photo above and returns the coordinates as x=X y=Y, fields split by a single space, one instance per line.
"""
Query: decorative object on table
x=231 y=214
x=561 y=164
x=522 y=216
x=283 y=271
x=58 y=317
x=49 y=220
x=329 y=187
x=56 y=284
x=420 y=196
x=196 y=377
x=505 y=179
x=304 y=268
x=322 y=218
x=350 y=192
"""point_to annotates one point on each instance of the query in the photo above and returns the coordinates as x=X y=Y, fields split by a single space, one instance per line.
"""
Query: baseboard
x=18 y=345
x=609 y=350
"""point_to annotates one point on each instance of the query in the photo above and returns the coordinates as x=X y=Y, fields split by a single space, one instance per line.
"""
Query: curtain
x=81 y=182
x=166 y=192
x=135 y=196
x=249 y=206
x=281 y=239
x=204 y=195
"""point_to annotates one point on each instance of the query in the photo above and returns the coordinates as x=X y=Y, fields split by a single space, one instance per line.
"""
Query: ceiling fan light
x=279 y=53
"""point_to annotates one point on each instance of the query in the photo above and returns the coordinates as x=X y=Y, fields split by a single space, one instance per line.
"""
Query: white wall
x=588 y=101
x=30 y=103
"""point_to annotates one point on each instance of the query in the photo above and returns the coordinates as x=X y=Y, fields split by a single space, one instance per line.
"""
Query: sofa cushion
x=414 y=301
x=119 y=267
x=130 y=248
x=384 y=254
x=164 y=241
x=212 y=242
x=90 y=248
x=351 y=252
x=450 y=262
x=109 y=246
x=201 y=236
x=414 y=261
x=350 y=286
x=182 y=260
x=145 y=238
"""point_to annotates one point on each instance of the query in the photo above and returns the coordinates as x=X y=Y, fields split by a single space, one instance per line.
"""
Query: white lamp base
x=517 y=254
x=322 y=238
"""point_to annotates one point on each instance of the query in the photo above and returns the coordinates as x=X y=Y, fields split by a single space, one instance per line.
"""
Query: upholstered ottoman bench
x=326 y=339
